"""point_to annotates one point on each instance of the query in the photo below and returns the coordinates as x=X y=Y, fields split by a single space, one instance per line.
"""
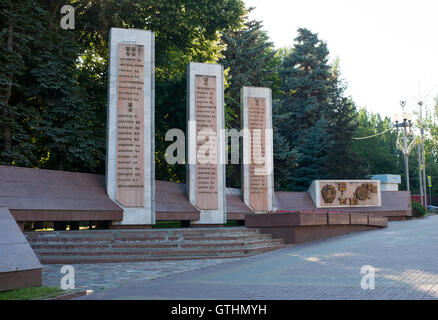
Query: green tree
x=54 y=81
x=47 y=112
x=20 y=26
x=248 y=60
x=431 y=146
x=306 y=89
x=339 y=128
x=379 y=154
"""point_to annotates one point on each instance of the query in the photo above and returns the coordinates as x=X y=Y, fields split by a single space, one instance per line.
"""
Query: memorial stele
x=205 y=182
x=345 y=193
x=130 y=167
x=257 y=164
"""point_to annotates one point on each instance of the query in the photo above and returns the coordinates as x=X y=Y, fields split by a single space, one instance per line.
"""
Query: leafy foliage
x=47 y=112
x=53 y=90
x=54 y=81
x=417 y=209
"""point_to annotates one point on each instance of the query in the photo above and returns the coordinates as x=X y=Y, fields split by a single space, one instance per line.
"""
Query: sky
x=388 y=49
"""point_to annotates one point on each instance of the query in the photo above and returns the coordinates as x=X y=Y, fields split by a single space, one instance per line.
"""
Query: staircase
x=98 y=246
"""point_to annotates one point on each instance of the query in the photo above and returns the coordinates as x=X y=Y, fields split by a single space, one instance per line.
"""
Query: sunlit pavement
x=404 y=255
x=101 y=276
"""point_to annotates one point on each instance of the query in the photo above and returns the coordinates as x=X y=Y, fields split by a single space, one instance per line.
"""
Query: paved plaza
x=404 y=255
x=111 y=275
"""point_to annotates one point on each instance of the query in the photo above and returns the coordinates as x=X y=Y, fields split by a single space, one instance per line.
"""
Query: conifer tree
x=340 y=126
x=306 y=90
x=249 y=61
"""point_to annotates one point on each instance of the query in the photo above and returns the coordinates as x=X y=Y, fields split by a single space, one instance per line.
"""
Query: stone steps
x=149 y=244
x=148 y=232
x=161 y=245
x=73 y=259
x=134 y=239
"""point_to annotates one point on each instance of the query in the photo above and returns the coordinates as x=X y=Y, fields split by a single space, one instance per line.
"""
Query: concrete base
x=304 y=227
x=20 y=279
x=292 y=235
x=19 y=266
x=398 y=218
x=177 y=216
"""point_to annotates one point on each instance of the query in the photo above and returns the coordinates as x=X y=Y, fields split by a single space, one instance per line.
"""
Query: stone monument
x=130 y=163
x=388 y=182
x=257 y=165
x=19 y=266
x=205 y=167
x=345 y=193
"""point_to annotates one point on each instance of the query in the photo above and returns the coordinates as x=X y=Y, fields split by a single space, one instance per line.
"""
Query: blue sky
x=388 y=49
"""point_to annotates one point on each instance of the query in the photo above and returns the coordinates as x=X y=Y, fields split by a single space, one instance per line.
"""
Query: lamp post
x=423 y=162
x=405 y=122
x=420 y=179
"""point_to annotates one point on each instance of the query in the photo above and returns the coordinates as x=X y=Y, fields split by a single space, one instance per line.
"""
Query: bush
x=417 y=209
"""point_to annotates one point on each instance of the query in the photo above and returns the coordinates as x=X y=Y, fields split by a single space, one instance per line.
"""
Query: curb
x=71 y=295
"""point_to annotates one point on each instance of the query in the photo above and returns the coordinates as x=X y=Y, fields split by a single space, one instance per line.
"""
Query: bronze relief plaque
x=328 y=193
x=348 y=193
x=206 y=143
x=362 y=192
x=130 y=131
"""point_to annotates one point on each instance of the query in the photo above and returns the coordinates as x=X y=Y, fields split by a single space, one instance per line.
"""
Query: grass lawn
x=34 y=293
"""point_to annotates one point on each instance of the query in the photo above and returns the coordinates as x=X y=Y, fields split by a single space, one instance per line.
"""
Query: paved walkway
x=101 y=276
x=405 y=258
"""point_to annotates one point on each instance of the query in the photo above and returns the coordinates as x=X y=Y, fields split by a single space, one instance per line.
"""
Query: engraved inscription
x=130 y=133
x=206 y=145
x=258 y=179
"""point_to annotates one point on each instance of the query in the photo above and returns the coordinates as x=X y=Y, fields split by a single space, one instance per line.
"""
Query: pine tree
x=247 y=57
x=249 y=61
x=311 y=157
x=340 y=126
x=306 y=90
x=284 y=156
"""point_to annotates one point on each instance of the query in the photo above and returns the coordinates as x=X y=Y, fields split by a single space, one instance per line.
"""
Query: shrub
x=417 y=209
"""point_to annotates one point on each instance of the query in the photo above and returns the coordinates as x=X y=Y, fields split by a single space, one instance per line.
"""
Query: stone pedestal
x=205 y=167
x=388 y=182
x=130 y=160
x=257 y=165
x=19 y=266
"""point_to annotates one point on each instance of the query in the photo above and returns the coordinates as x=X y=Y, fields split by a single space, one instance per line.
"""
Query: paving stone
x=405 y=258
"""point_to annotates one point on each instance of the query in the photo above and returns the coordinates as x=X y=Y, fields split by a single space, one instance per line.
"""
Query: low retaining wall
x=304 y=227
x=50 y=195
x=19 y=266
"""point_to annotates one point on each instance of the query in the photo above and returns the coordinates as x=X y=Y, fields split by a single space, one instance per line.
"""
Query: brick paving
x=101 y=276
x=404 y=255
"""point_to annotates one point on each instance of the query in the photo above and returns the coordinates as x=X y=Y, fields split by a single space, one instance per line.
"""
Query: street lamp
x=404 y=122
x=423 y=162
